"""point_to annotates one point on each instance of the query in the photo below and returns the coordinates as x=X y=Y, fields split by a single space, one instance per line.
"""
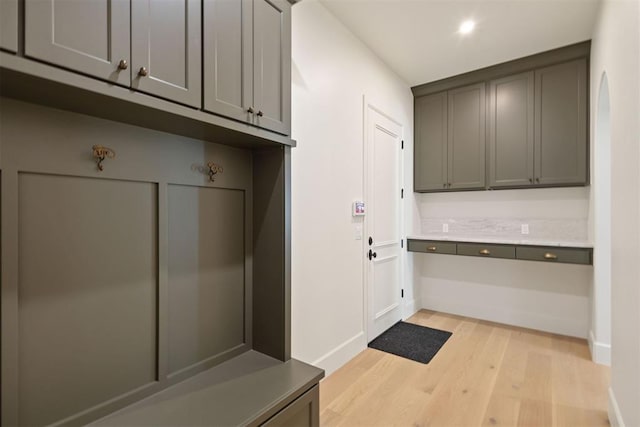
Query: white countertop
x=504 y=240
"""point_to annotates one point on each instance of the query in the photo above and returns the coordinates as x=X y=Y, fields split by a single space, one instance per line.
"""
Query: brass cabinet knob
x=550 y=256
x=485 y=252
x=250 y=110
x=432 y=248
x=123 y=64
x=531 y=180
x=260 y=113
x=143 y=72
x=537 y=179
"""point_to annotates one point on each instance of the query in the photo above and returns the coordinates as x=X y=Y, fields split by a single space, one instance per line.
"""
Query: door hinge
x=402 y=193
x=401 y=293
x=402 y=243
x=402 y=145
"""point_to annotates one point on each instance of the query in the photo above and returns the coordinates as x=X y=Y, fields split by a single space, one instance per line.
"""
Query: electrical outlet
x=445 y=227
x=524 y=228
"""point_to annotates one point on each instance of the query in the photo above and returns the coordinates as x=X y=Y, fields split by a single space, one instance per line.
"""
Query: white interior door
x=383 y=168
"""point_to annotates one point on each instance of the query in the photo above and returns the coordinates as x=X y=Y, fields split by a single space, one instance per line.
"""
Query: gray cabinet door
x=9 y=25
x=166 y=52
x=561 y=124
x=466 y=137
x=272 y=64
x=430 y=148
x=511 y=106
x=228 y=78
x=90 y=37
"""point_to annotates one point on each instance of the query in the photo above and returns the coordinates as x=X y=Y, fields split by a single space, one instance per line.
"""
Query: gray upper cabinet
x=534 y=132
x=511 y=131
x=561 y=124
x=430 y=155
x=90 y=37
x=9 y=25
x=466 y=137
x=166 y=49
x=450 y=140
x=247 y=61
x=272 y=64
x=228 y=47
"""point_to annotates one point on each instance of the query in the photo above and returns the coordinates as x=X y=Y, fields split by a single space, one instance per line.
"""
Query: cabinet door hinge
x=402 y=193
x=402 y=243
x=401 y=293
x=402 y=145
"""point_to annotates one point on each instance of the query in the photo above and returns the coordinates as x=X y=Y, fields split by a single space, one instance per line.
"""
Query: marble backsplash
x=539 y=229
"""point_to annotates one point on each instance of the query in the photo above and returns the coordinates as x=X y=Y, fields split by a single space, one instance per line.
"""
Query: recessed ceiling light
x=467 y=27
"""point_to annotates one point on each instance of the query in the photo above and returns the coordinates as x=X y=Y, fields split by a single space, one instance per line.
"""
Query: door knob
x=143 y=72
x=123 y=64
x=372 y=254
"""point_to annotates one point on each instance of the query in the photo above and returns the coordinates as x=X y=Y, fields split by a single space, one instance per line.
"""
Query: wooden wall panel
x=206 y=273
x=87 y=293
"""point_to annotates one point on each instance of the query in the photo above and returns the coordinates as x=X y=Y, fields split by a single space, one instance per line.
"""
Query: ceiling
x=419 y=39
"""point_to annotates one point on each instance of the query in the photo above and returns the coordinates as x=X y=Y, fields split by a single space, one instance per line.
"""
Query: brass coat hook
x=213 y=170
x=100 y=153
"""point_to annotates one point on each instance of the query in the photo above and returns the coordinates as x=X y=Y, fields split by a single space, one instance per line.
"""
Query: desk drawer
x=554 y=254
x=487 y=251
x=432 y=247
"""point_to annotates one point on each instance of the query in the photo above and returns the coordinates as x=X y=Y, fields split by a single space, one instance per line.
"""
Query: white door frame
x=367 y=105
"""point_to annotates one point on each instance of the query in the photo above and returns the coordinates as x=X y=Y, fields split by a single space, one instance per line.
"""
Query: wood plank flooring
x=487 y=374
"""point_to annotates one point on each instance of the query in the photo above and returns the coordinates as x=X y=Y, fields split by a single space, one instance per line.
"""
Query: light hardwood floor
x=486 y=374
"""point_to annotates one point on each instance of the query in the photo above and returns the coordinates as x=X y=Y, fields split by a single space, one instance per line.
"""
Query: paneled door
x=272 y=64
x=166 y=42
x=90 y=37
x=511 y=131
x=561 y=142
x=9 y=25
x=430 y=150
x=383 y=165
x=228 y=60
x=466 y=156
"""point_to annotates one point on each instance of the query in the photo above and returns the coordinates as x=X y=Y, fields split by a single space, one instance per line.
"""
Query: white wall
x=332 y=71
x=552 y=298
x=616 y=51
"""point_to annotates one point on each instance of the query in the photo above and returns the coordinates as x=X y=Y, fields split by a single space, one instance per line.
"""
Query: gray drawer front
x=487 y=251
x=552 y=254
x=302 y=412
x=432 y=247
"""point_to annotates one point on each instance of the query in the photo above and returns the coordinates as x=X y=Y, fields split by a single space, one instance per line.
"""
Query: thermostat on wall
x=358 y=209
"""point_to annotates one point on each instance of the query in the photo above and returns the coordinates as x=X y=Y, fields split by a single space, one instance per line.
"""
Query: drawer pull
x=551 y=256
x=432 y=248
x=485 y=252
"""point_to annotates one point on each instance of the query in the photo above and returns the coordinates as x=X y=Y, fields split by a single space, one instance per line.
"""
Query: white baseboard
x=410 y=308
x=600 y=352
x=506 y=315
x=615 y=417
x=340 y=355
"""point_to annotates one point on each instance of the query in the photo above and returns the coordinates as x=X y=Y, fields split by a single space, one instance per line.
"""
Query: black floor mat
x=411 y=341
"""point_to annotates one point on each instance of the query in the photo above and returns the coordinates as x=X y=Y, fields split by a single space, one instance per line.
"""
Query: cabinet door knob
x=260 y=113
x=123 y=64
x=531 y=180
x=537 y=179
x=432 y=248
x=250 y=110
x=485 y=252
x=143 y=72
x=550 y=256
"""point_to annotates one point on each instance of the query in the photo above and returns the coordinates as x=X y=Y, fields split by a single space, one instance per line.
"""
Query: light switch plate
x=524 y=228
x=445 y=227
